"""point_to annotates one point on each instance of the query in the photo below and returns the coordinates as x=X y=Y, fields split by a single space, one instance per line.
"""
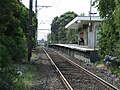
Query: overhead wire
x=44 y=21
x=56 y=7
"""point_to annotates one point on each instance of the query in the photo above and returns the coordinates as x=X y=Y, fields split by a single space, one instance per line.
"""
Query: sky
x=57 y=8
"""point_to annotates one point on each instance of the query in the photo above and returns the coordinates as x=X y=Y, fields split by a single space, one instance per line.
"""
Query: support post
x=91 y=25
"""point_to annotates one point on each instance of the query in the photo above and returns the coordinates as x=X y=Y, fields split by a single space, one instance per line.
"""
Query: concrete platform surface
x=76 y=47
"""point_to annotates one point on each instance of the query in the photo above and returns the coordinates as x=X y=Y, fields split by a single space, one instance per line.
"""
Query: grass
x=116 y=68
x=115 y=71
x=24 y=82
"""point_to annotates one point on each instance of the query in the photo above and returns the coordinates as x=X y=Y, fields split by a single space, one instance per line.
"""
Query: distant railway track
x=76 y=77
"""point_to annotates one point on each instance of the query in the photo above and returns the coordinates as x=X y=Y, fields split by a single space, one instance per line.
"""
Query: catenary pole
x=37 y=8
x=30 y=31
x=36 y=23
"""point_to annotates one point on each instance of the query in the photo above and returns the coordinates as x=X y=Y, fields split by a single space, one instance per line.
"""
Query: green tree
x=72 y=36
x=49 y=39
x=58 y=31
x=117 y=21
x=109 y=35
x=54 y=30
x=13 y=44
x=23 y=16
x=105 y=7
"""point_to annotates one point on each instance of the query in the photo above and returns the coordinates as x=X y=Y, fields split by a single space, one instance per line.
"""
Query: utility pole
x=30 y=31
x=36 y=23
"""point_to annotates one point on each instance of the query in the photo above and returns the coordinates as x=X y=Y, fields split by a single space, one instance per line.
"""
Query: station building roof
x=79 y=21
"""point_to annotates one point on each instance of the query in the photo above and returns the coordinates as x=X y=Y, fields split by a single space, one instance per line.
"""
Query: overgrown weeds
x=24 y=81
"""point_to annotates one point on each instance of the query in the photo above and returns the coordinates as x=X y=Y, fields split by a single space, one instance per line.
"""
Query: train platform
x=80 y=52
x=76 y=47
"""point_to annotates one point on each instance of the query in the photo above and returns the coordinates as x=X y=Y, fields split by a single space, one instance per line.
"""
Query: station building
x=86 y=49
x=88 y=28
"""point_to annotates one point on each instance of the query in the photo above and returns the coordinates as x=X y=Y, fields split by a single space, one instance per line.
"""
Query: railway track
x=46 y=77
x=76 y=77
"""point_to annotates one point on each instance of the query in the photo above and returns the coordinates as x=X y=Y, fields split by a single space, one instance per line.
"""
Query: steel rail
x=67 y=85
x=110 y=86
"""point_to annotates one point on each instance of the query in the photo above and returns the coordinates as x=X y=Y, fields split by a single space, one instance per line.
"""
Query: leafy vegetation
x=109 y=40
x=24 y=81
x=116 y=71
x=72 y=36
x=58 y=31
x=110 y=33
x=13 y=40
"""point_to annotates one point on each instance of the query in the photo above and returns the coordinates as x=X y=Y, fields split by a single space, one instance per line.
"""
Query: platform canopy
x=79 y=21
